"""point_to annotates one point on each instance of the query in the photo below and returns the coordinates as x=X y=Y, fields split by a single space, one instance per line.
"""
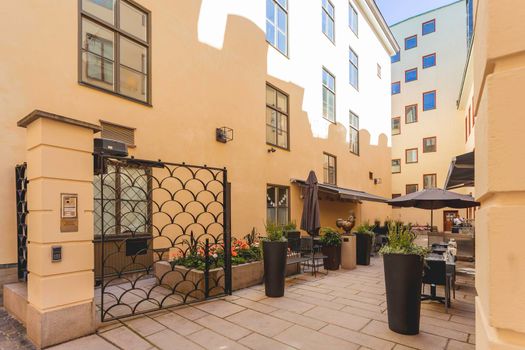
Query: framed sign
x=68 y=212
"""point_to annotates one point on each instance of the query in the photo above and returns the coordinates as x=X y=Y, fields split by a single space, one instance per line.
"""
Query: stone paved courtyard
x=344 y=310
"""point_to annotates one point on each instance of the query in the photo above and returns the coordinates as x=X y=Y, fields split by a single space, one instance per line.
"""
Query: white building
x=427 y=127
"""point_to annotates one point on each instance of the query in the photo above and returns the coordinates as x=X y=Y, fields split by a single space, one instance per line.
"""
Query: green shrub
x=330 y=237
x=291 y=226
x=274 y=232
x=366 y=228
x=401 y=241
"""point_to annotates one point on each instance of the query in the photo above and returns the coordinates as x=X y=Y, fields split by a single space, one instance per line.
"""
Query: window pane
x=395 y=58
x=270 y=11
x=133 y=21
x=429 y=144
x=282 y=139
x=271 y=135
x=354 y=141
x=282 y=102
x=271 y=117
x=353 y=19
x=354 y=76
x=97 y=39
x=328 y=104
x=270 y=32
x=429 y=61
x=102 y=9
x=411 y=188
x=411 y=156
x=281 y=20
x=97 y=58
x=328 y=80
x=133 y=84
x=283 y=122
x=283 y=197
x=270 y=96
x=410 y=75
x=410 y=42
x=133 y=55
x=354 y=120
x=396 y=88
x=281 y=42
x=411 y=114
x=429 y=100
x=396 y=165
x=429 y=27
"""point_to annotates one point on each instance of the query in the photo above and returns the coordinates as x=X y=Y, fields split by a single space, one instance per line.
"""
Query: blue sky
x=398 y=10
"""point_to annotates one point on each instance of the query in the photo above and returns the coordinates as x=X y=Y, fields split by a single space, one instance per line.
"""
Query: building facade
x=297 y=87
x=427 y=128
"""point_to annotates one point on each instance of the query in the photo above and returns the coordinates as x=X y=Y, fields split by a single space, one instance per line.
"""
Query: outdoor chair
x=295 y=253
x=312 y=251
x=436 y=274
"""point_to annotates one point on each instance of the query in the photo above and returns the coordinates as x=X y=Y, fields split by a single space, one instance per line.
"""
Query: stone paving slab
x=344 y=310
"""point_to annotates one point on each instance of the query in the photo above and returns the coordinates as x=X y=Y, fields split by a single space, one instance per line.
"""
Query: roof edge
x=380 y=26
x=426 y=12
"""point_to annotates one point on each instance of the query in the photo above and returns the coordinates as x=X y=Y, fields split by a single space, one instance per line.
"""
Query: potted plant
x=364 y=239
x=331 y=248
x=403 y=264
x=275 y=247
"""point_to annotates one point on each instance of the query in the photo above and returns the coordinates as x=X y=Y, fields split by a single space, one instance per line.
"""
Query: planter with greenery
x=331 y=241
x=403 y=264
x=364 y=239
x=275 y=247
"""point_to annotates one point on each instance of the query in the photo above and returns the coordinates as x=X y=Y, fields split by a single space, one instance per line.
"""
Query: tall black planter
x=364 y=248
x=274 y=254
x=333 y=257
x=403 y=275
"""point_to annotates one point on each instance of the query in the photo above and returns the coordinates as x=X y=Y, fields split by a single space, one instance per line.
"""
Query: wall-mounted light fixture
x=377 y=181
x=271 y=150
x=224 y=134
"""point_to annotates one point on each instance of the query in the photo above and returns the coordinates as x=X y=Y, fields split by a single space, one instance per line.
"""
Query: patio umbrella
x=434 y=198
x=310 y=221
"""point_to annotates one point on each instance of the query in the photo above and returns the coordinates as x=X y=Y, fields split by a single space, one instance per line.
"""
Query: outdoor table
x=450 y=271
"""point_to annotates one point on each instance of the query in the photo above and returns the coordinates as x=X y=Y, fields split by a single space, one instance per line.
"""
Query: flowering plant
x=241 y=252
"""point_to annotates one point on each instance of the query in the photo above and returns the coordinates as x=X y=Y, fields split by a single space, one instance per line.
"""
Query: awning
x=341 y=194
x=461 y=172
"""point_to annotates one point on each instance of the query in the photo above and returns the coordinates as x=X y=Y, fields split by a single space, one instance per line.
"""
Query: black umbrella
x=434 y=198
x=310 y=221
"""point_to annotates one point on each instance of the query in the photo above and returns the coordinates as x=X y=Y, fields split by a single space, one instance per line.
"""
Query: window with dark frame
x=429 y=181
x=329 y=169
x=354 y=133
x=395 y=58
x=411 y=114
x=396 y=88
x=411 y=42
x=396 y=166
x=328 y=96
x=353 y=60
x=411 y=188
x=429 y=144
x=278 y=204
x=428 y=27
x=277 y=122
x=328 y=19
x=396 y=126
x=277 y=24
x=429 y=100
x=353 y=19
x=411 y=156
x=114 y=52
x=429 y=60
x=410 y=75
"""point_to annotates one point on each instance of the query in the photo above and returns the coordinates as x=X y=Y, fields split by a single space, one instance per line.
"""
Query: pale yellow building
x=163 y=76
x=427 y=128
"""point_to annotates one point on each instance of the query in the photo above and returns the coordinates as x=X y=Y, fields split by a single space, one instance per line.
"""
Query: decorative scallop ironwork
x=161 y=235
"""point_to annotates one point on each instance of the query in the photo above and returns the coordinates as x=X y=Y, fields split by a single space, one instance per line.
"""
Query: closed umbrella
x=310 y=221
x=434 y=198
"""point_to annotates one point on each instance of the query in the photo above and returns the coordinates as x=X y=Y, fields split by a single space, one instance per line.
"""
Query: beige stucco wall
x=445 y=122
x=195 y=88
x=500 y=183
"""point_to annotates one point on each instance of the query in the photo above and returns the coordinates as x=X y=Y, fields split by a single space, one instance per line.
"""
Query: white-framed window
x=328 y=18
x=353 y=19
x=354 y=133
x=328 y=96
x=277 y=24
x=353 y=60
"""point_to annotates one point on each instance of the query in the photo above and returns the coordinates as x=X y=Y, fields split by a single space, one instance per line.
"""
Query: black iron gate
x=162 y=235
x=21 y=216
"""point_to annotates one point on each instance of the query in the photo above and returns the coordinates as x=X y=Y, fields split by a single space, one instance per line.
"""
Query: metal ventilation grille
x=118 y=133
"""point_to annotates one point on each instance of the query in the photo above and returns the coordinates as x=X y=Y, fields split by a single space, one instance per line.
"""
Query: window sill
x=83 y=83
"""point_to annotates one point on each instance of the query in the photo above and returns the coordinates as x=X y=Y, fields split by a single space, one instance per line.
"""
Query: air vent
x=117 y=132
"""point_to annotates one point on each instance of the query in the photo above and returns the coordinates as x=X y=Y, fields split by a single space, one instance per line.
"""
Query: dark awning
x=461 y=172
x=341 y=194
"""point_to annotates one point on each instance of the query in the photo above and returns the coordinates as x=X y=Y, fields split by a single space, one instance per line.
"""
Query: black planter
x=333 y=257
x=403 y=274
x=364 y=248
x=274 y=254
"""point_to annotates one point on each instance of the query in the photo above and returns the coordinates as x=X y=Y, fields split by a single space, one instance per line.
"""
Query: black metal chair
x=311 y=250
x=436 y=274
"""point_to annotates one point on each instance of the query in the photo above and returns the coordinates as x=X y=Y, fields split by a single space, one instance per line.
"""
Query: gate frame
x=100 y=161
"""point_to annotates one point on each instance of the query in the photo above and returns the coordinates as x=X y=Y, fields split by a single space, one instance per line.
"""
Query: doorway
x=448 y=219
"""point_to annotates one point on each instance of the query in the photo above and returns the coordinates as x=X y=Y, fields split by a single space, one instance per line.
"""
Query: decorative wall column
x=500 y=174
x=60 y=221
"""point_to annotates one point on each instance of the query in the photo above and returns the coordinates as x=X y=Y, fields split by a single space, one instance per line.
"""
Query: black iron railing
x=21 y=217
